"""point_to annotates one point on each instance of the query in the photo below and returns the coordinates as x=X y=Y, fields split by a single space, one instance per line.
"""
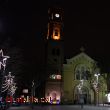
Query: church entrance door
x=78 y=96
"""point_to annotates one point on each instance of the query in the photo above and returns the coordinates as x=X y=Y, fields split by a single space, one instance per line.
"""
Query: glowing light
x=53 y=76
x=3 y=60
x=97 y=76
x=58 y=76
x=108 y=97
x=54 y=101
x=25 y=90
x=56 y=34
x=9 y=84
x=53 y=97
x=79 y=86
x=57 y=15
x=96 y=82
x=56 y=37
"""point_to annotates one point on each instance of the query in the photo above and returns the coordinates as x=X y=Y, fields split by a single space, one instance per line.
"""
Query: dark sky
x=85 y=24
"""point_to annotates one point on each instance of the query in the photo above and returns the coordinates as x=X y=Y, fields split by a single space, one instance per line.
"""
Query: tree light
x=9 y=84
x=3 y=60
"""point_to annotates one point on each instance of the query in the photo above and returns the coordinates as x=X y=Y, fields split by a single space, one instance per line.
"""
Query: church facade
x=79 y=77
x=82 y=78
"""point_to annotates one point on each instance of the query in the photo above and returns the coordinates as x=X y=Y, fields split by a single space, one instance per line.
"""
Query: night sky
x=86 y=24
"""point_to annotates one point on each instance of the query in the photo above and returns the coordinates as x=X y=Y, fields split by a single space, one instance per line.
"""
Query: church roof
x=82 y=55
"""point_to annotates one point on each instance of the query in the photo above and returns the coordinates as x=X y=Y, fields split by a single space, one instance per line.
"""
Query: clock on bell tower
x=54 y=53
x=55 y=23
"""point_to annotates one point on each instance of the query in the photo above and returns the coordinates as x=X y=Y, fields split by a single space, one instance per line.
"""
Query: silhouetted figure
x=81 y=102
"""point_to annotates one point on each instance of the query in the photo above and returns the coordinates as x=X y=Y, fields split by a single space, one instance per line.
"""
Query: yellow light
x=56 y=33
x=55 y=102
x=56 y=37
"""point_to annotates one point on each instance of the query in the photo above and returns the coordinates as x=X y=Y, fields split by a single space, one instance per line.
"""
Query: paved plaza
x=63 y=107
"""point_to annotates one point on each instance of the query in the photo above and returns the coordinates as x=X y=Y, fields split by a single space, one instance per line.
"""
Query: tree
x=15 y=64
x=9 y=85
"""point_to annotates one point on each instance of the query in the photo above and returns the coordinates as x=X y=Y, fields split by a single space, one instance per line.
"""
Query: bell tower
x=54 y=52
x=55 y=23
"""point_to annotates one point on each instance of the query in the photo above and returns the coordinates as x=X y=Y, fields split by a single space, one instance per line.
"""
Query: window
x=82 y=72
x=54 y=76
x=58 y=77
x=56 y=32
x=78 y=75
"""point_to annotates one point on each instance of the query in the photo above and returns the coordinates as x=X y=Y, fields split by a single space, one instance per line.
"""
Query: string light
x=80 y=86
x=9 y=84
x=3 y=60
x=96 y=82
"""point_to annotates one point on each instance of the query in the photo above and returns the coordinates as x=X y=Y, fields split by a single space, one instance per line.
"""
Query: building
x=54 y=58
x=82 y=78
x=79 y=77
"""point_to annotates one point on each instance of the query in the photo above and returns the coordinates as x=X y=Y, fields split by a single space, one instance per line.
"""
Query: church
x=80 y=77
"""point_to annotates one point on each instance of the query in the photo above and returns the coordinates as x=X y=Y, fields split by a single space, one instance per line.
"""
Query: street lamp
x=32 y=94
x=33 y=89
x=97 y=77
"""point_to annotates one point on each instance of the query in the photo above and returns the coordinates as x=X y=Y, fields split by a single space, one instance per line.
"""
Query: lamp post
x=32 y=94
x=97 y=86
x=97 y=77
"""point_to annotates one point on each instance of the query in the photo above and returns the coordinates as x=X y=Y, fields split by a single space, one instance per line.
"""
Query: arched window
x=82 y=72
x=56 y=32
x=77 y=75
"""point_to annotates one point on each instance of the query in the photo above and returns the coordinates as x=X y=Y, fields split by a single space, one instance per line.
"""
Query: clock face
x=57 y=15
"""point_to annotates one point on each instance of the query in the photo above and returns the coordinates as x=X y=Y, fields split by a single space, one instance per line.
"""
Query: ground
x=64 y=107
